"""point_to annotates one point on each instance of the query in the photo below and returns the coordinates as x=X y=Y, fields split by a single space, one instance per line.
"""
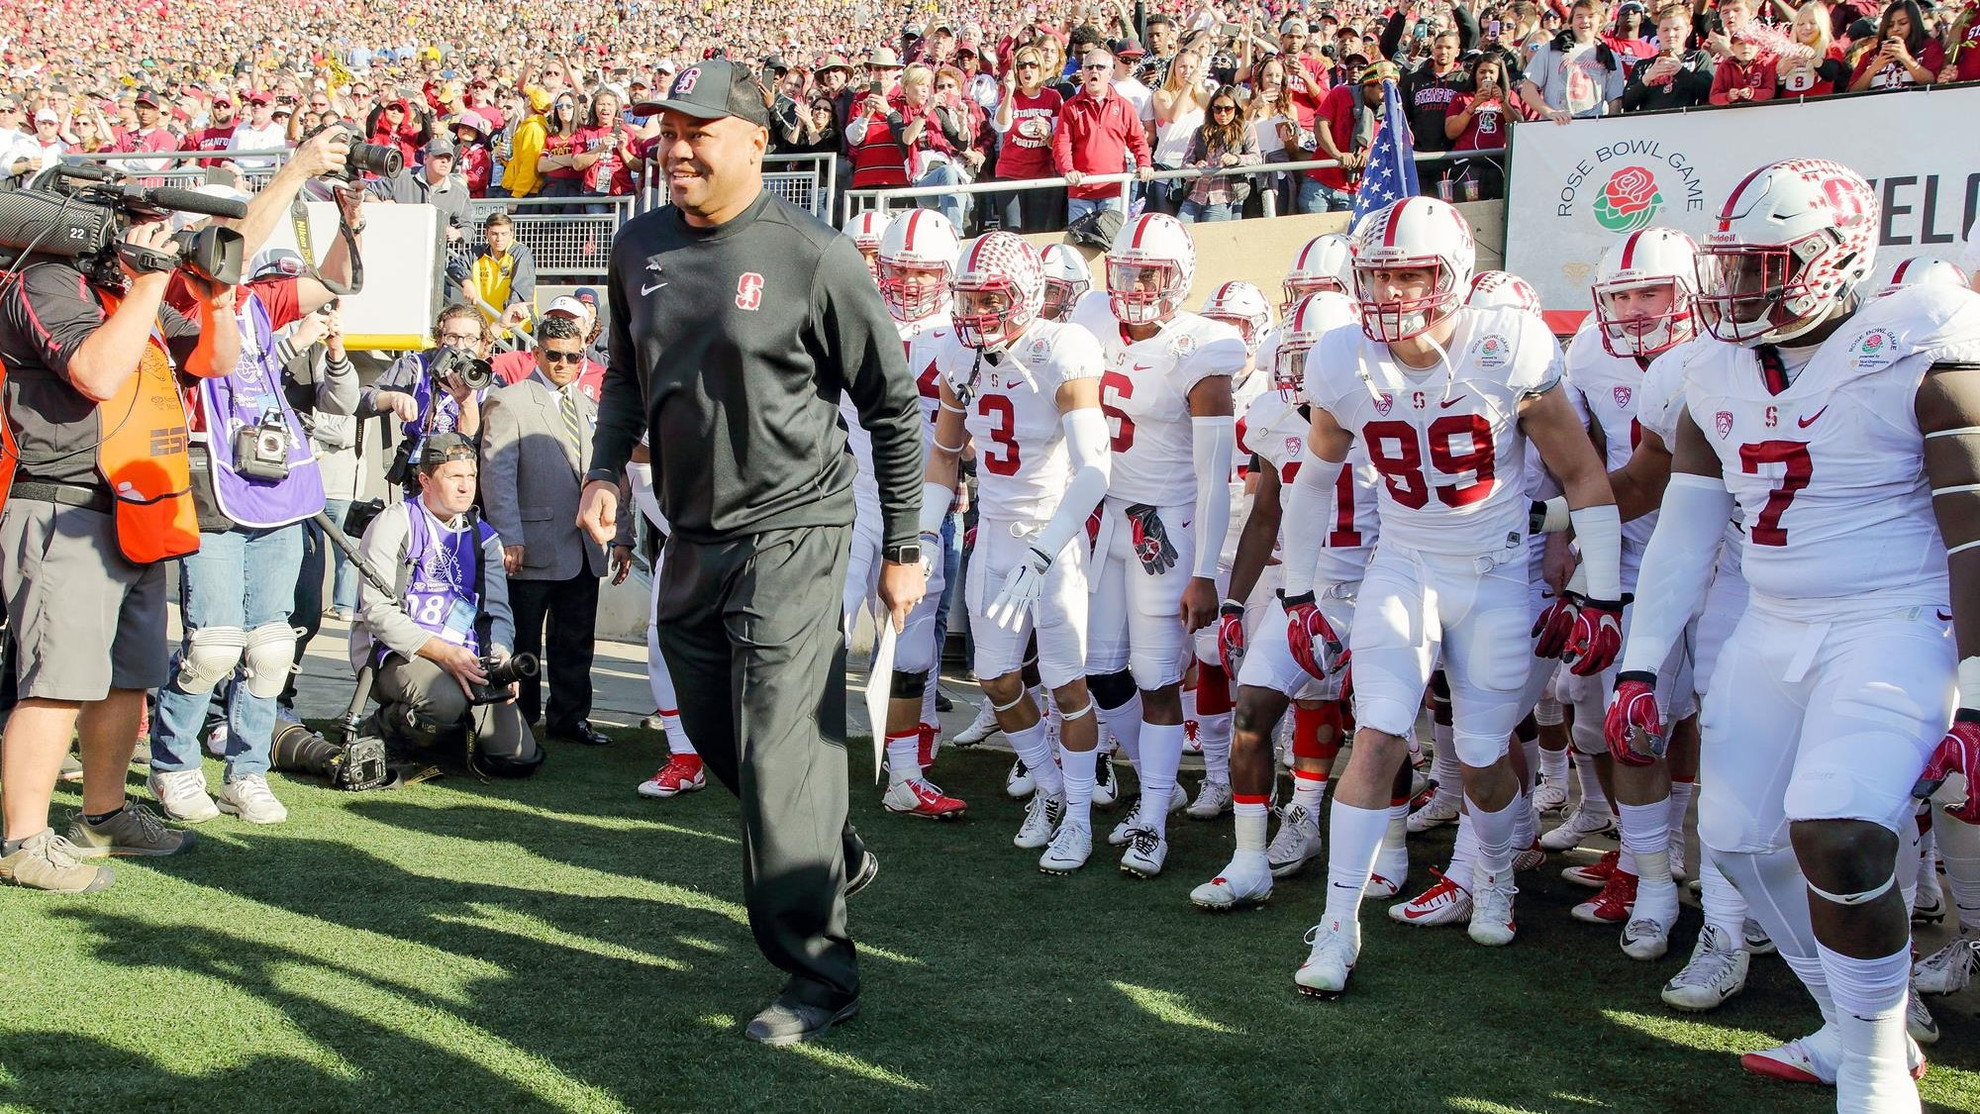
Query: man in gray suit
x=535 y=448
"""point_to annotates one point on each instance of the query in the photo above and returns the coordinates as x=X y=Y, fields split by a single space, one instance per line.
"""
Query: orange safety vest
x=141 y=454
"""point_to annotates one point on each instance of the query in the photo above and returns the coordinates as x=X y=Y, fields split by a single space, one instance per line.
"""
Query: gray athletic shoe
x=46 y=861
x=135 y=831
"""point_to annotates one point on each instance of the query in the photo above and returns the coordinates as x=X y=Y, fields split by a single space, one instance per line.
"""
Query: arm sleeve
x=622 y=399
x=1213 y=440
x=1467 y=27
x=1392 y=32
x=1061 y=146
x=858 y=336
x=1677 y=566
x=1092 y=468
x=1309 y=506
x=1599 y=530
x=495 y=591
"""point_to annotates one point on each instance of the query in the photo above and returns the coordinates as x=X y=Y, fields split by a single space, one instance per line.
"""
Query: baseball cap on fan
x=711 y=90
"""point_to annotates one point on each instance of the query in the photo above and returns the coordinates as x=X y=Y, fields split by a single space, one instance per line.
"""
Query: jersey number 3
x=1799 y=468
x=1002 y=458
x=1396 y=453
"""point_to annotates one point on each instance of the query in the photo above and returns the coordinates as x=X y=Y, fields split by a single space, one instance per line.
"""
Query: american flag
x=1391 y=171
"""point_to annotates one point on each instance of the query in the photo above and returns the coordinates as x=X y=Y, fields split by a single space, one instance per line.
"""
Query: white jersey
x=1022 y=464
x=865 y=485
x=1278 y=434
x=1609 y=387
x=922 y=339
x=1144 y=390
x=1829 y=471
x=1446 y=441
x=1244 y=391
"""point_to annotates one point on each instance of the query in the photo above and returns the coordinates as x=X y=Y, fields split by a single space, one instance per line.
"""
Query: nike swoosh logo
x=1943 y=617
x=645 y=290
x=1804 y=423
x=1447 y=404
x=1412 y=914
x=1141 y=367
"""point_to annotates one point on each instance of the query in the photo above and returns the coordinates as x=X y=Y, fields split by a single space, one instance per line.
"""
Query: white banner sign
x=1575 y=189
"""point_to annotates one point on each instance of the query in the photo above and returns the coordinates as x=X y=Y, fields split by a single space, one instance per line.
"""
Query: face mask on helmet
x=1754 y=295
x=1289 y=365
x=1142 y=293
x=1404 y=299
x=1643 y=319
x=1060 y=297
x=988 y=315
x=913 y=292
x=1297 y=288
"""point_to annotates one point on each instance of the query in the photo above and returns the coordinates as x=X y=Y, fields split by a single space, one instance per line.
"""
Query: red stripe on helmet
x=1395 y=218
x=1897 y=276
x=1140 y=229
x=907 y=238
x=1629 y=251
x=1223 y=292
x=1732 y=199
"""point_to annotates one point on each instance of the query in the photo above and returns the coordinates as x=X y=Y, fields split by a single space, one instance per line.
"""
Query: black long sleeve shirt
x=729 y=347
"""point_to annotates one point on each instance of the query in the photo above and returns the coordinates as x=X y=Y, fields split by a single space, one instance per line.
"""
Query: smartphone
x=1492 y=29
x=873 y=88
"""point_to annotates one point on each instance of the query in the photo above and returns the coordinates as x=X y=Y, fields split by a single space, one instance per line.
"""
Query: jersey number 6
x=1115 y=386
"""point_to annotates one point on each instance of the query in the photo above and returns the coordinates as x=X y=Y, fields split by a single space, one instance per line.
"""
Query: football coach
x=737 y=321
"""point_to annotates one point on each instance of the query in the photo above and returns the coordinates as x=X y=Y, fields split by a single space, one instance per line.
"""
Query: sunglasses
x=1223 y=108
x=1099 y=67
x=1027 y=65
x=550 y=357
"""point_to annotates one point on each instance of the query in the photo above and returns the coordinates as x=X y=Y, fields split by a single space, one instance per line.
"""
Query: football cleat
x=1716 y=972
x=1647 y=938
x=1582 y=824
x=1948 y=970
x=982 y=727
x=1438 y=812
x=1213 y=799
x=1678 y=872
x=920 y=797
x=1237 y=886
x=683 y=773
x=1756 y=940
x=1068 y=852
x=1492 y=913
x=1106 y=787
x=1041 y=822
x=1530 y=859
x=1613 y=905
x=1445 y=902
x=1813 y=1059
x=1018 y=784
x=1297 y=843
x=1178 y=798
x=1334 y=948
x=1549 y=798
x=1929 y=908
x=1918 y=1020
x=1145 y=854
x=1391 y=873
x=1594 y=875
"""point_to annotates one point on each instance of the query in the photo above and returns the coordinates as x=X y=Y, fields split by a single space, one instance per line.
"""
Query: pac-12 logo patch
x=1384 y=404
x=749 y=291
x=1723 y=422
x=1622 y=398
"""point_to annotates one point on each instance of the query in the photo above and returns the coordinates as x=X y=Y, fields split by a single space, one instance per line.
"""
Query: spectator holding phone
x=1906 y=53
x=1674 y=77
x=1221 y=143
x=1482 y=119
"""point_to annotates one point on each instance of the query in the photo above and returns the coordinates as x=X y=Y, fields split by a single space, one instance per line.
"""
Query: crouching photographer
x=435 y=391
x=441 y=643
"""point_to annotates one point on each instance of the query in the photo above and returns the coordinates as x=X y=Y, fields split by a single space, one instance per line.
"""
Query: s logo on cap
x=684 y=84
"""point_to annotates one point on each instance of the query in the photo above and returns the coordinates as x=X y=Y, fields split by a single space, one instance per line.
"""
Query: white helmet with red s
x=1149 y=269
x=1315 y=316
x=1643 y=261
x=1325 y=263
x=999 y=289
x=1924 y=271
x=1415 y=233
x=1503 y=289
x=1792 y=243
x=917 y=262
x=1067 y=280
x=1243 y=307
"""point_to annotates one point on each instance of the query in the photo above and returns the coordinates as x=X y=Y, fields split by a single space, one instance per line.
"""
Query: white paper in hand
x=879 y=689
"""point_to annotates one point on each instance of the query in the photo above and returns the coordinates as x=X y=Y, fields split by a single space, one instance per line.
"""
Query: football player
x=1442 y=398
x=917 y=262
x=867 y=230
x=1027 y=391
x=1067 y=280
x=1844 y=433
x=1322 y=264
x=1166 y=392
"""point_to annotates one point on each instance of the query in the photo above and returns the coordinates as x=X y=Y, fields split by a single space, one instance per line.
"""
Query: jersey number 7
x=1799 y=468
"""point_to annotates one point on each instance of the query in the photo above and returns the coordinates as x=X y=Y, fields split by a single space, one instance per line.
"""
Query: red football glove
x=1230 y=638
x=1314 y=645
x=1597 y=637
x=1634 y=710
x=1958 y=752
x=1553 y=628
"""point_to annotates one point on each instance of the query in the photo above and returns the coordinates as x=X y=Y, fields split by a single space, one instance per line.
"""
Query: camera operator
x=85 y=346
x=255 y=482
x=431 y=392
x=436 y=643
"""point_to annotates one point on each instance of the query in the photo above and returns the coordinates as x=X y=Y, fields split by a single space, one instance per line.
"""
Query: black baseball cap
x=711 y=90
x=443 y=447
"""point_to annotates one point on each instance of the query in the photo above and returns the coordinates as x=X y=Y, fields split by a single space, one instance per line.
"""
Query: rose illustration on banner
x=1629 y=201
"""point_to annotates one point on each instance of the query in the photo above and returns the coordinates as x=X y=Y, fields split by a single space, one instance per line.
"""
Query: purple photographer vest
x=442 y=594
x=238 y=400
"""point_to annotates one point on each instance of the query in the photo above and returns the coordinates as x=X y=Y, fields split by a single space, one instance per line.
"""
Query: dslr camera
x=261 y=450
x=502 y=674
x=474 y=372
x=365 y=158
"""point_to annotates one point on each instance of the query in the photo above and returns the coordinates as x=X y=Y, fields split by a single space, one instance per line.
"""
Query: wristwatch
x=907 y=554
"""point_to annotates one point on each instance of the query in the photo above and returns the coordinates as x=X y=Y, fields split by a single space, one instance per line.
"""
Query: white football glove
x=1021 y=588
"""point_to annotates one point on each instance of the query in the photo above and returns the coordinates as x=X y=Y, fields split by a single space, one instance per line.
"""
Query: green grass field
x=561 y=944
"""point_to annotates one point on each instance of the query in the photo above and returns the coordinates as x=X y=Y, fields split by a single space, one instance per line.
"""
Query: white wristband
x=1969 y=682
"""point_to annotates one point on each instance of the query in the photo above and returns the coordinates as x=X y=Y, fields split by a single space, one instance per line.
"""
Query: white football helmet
x=1315 y=316
x=999 y=289
x=1410 y=234
x=1793 y=243
x=1325 y=263
x=1924 y=270
x=1496 y=289
x=1067 y=280
x=1243 y=307
x=1642 y=260
x=867 y=229
x=917 y=262
x=1149 y=269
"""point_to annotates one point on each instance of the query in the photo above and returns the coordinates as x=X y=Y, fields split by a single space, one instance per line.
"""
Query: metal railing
x=184 y=169
x=569 y=237
x=808 y=181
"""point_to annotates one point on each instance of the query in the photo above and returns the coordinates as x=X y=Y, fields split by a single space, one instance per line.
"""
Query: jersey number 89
x=1460 y=445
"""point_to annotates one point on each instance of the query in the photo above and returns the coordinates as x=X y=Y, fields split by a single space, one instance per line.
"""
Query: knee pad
x=210 y=656
x=269 y=655
x=908 y=685
x=1479 y=750
x=1111 y=690
x=1150 y=672
x=1549 y=713
x=1586 y=738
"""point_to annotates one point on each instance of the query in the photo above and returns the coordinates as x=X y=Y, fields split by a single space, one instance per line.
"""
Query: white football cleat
x=1918 y=1020
x=1335 y=947
x=1041 y=822
x=1068 y=852
x=1809 y=1059
x=1213 y=799
x=1106 y=787
x=1446 y=902
x=1756 y=940
x=1678 y=872
x=1437 y=813
x=1646 y=938
x=1948 y=970
x=1492 y=913
x=1582 y=824
x=1239 y=885
x=1018 y=784
x=1716 y=972
x=1533 y=858
x=1297 y=843
x=1178 y=798
x=1145 y=854
x=1549 y=798
x=982 y=727
x=1391 y=873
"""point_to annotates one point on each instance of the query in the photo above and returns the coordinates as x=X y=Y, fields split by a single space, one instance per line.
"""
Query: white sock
x=665 y=700
x=1777 y=896
x=1646 y=841
x=1396 y=839
x=1444 y=767
x=1874 y=1076
x=1213 y=734
x=1124 y=725
x=1250 y=816
x=1681 y=794
x=1593 y=799
x=1077 y=770
x=1354 y=835
x=1464 y=852
x=1495 y=842
x=1959 y=847
x=1036 y=754
x=1309 y=792
x=1526 y=823
x=1906 y=868
x=903 y=756
x=1161 y=753
x=1554 y=766
x=1721 y=903
x=928 y=692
